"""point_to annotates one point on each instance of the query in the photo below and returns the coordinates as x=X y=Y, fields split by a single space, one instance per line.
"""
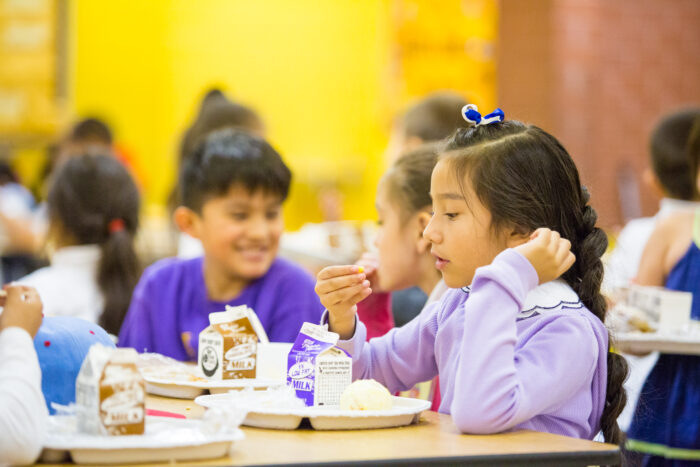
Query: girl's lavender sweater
x=510 y=354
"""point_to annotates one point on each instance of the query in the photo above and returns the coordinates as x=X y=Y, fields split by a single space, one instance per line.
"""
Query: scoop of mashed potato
x=365 y=394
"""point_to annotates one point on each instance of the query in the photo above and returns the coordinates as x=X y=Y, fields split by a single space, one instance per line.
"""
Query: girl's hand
x=22 y=308
x=548 y=253
x=370 y=263
x=340 y=289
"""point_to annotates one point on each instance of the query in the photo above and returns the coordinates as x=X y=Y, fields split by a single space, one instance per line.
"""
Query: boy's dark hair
x=669 y=159
x=408 y=179
x=228 y=157
x=527 y=180
x=91 y=130
x=215 y=113
x=435 y=117
x=94 y=200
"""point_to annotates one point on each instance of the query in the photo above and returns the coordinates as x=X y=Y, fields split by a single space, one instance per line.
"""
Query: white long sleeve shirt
x=23 y=412
x=69 y=286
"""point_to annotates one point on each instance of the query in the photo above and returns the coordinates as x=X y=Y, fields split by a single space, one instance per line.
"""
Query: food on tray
x=365 y=394
x=318 y=371
x=110 y=393
x=228 y=346
x=650 y=309
x=625 y=318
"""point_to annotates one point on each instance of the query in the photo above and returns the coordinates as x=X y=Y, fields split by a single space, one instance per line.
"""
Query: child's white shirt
x=23 y=412
x=69 y=286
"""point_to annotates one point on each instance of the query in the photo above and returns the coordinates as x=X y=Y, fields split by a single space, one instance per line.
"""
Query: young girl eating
x=515 y=347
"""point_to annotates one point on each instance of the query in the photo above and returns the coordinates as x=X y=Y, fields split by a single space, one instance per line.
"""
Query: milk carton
x=228 y=346
x=318 y=371
x=110 y=393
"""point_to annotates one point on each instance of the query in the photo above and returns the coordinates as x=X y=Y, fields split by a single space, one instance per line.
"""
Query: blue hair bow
x=471 y=114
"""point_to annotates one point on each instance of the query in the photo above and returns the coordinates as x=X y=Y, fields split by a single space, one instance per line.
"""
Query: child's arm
x=652 y=267
x=401 y=358
x=22 y=408
x=502 y=387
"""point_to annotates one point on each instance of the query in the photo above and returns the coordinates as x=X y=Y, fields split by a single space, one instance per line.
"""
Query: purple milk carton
x=318 y=371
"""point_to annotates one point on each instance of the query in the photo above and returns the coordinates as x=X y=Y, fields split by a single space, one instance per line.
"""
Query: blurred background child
x=93 y=206
x=666 y=427
x=430 y=119
x=233 y=187
x=22 y=409
x=403 y=255
x=670 y=176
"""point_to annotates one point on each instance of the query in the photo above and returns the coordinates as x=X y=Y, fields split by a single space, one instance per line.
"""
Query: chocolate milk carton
x=318 y=371
x=110 y=393
x=228 y=346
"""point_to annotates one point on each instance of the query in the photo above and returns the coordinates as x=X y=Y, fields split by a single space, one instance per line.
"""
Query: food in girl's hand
x=110 y=393
x=365 y=394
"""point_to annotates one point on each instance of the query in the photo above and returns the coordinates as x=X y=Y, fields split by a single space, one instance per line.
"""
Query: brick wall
x=598 y=74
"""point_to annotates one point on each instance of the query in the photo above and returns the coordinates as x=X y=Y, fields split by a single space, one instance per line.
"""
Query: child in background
x=510 y=354
x=433 y=118
x=233 y=187
x=404 y=259
x=93 y=208
x=22 y=409
x=430 y=119
x=670 y=176
x=672 y=179
x=666 y=426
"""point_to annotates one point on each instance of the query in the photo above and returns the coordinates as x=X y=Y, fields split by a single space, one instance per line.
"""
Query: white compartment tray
x=165 y=440
x=640 y=342
x=181 y=389
x=405 y=411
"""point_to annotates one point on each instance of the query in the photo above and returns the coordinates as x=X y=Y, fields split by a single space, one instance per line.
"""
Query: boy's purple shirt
x=169 y=307
x=500 y=367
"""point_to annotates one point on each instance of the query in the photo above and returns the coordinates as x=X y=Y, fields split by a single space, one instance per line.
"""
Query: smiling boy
x=233 y=188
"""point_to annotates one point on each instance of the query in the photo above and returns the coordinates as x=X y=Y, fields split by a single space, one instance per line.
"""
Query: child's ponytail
x=94 y=201
x=592 y=243
x=117 y=274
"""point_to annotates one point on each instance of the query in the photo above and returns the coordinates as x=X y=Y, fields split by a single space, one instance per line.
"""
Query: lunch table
x=433 y=441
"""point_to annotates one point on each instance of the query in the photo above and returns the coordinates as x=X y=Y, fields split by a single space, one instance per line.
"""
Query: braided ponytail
x=585 y=278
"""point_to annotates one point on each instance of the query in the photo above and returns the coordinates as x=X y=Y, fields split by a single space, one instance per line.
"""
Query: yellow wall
x=314 y=71
x=323 y=74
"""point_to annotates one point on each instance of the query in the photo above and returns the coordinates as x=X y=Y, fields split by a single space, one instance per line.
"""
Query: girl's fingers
x=335 y=271
x=541 y=236
x=554 y=241
x=336 y=283
x=568 y=262
x=358 y=297
x=563 y=249
x=342 y=295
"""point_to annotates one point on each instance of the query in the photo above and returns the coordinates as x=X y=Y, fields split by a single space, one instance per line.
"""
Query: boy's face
x=240 y=231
